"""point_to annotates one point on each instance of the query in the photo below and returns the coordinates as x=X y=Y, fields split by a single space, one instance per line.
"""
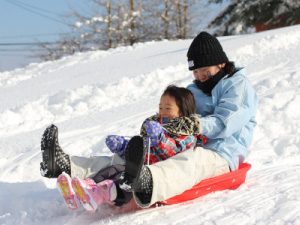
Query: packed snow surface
x=93 y=94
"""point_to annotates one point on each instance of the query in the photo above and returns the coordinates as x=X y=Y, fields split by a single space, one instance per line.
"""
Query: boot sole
x=65 y=187
x=83 y=195
x=48 y=150
x=134 y=157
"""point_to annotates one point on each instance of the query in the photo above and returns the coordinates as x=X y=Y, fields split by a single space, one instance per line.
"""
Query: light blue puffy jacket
x=228 y=117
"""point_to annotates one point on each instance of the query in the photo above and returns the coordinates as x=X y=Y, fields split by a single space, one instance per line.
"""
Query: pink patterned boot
x=65 y=187
x=108 y=190
x=91 y=195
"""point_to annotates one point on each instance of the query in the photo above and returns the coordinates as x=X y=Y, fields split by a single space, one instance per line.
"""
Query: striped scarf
x=184 y=125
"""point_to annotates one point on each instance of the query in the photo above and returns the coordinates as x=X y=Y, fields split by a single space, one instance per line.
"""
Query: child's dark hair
x=184 y=99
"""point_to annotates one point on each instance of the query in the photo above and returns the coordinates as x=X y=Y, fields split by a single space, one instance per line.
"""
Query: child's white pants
x=83 y=167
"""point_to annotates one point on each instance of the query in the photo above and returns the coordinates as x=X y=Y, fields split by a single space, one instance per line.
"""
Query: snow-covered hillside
x=90 y=95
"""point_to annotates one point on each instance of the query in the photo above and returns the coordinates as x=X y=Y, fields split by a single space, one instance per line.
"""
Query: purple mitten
x=116 y=144
x=154 y=132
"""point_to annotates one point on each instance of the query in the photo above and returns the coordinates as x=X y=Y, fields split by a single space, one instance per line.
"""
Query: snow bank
x=93 y=94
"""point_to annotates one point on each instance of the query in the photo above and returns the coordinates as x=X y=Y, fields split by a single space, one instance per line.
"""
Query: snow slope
x=93 y=94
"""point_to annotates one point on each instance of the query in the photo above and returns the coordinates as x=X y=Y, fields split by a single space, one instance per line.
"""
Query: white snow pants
x=83 y=167
x=170 y=177
x=181 y=172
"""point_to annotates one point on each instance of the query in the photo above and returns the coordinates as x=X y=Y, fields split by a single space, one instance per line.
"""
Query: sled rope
x=148 y=147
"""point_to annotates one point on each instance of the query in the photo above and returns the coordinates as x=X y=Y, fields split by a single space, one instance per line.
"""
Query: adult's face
x=204 y=73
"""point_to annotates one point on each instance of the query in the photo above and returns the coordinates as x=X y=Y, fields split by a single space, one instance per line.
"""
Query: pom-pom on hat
x=205 y=50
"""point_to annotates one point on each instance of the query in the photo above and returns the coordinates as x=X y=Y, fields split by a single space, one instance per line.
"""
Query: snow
x=93 y=94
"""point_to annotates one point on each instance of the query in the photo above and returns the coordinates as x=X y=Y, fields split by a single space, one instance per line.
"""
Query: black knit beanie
x=205 y=50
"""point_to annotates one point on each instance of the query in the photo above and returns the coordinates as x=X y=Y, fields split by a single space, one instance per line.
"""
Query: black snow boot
x=134 y=159
x=137 y=177
x=54 y=160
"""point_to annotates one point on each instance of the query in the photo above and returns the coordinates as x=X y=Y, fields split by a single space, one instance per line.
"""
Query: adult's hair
x=230 y=68
x=184 y=99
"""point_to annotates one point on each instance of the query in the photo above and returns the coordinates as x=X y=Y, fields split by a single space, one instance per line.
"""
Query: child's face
x=204 y=73
x=168 y=107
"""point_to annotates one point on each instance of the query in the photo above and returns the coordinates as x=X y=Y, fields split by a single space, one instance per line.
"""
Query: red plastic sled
x=230 y=180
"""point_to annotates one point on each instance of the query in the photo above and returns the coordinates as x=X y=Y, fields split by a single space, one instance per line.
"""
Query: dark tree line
x=243 y=16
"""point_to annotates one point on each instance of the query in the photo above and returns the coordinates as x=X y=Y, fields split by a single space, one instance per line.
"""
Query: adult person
x=226 y=104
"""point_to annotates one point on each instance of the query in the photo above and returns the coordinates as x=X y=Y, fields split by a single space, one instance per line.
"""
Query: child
x=174 y=129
